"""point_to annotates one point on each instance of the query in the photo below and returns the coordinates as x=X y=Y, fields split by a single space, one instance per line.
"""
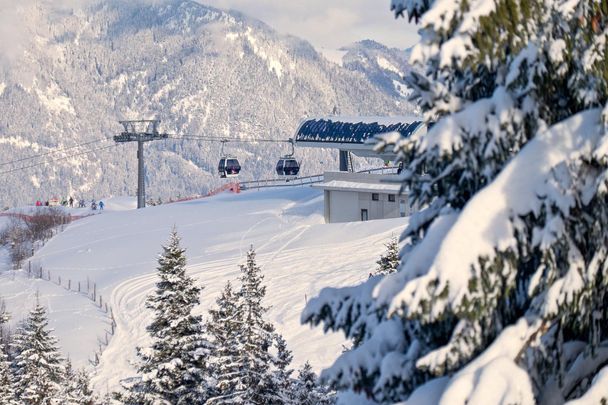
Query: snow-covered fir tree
x=174 y=369
x=501 y=295
x=7 y=392
x=306 y=389
x=282 y=371
x=256 y=383
x=4 y=317
x=39 y=372
x=223 y=327
x=77 y=388
x=389 y=261
x=245 y=370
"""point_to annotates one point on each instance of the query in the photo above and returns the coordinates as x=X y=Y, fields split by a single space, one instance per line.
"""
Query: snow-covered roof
x=354 y=130
x=342 y=185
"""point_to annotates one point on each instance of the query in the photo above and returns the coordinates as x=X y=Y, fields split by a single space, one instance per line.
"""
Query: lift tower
x=140 y=131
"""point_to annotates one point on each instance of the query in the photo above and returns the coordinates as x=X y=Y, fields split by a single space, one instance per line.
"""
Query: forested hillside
x=200 y=70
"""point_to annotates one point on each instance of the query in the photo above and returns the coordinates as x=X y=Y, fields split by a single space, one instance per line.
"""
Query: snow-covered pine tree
x=38 y=365
x=223 y=327
x=4 y=315
x=4 y=318
x=232 y=363
x=7 y=392
x=255 y=380
x=502 y=293
x=174 y=369
x=307 y=391
x=389 y=261
x=77 y=389
x=282 y=372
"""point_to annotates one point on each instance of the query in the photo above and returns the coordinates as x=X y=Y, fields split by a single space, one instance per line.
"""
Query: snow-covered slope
x=201 y=70
x=384 y=67
x=117 y=251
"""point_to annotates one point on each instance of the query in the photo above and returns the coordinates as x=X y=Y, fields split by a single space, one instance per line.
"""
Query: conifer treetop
x=174 y=368
x=38 y=365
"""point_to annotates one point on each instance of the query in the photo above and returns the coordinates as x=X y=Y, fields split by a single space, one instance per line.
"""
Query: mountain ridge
x=201 y=70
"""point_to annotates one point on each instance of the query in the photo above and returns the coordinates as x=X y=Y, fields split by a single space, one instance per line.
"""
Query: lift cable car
x=288 y=165
x=228 y=166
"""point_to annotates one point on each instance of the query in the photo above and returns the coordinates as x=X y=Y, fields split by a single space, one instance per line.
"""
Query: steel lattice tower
x=140 y=131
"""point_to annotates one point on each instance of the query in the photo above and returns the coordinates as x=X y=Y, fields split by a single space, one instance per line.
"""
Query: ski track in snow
x=298 y=254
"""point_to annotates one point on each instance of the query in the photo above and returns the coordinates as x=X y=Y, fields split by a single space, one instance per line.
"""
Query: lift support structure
x=140 y=131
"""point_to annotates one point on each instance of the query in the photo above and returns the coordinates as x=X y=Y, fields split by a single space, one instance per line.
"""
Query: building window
x=364 y=215
x=375 y=196
x=391 y=197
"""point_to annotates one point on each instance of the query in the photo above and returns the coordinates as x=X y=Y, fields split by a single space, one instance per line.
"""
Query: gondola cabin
x=288 y=166
x=228 y=167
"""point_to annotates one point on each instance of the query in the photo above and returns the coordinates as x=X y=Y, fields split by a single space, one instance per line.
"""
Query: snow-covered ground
x=117 y=250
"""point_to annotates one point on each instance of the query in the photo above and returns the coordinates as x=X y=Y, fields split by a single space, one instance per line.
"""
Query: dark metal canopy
x=351 y=133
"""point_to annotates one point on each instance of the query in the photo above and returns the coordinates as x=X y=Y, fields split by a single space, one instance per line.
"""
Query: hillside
x=117 y=251
x=385 y=67
x=200 y=70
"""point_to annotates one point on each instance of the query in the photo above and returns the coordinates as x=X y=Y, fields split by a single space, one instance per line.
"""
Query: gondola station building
x=363 y=196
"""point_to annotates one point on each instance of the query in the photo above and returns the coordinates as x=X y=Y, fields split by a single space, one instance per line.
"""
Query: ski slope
x=117 y=250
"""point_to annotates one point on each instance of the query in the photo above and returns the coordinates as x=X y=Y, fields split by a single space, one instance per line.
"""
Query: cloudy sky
x=329 y=23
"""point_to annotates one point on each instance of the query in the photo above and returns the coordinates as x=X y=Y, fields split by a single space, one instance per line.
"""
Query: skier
x=101 y=204
x=71 y=201
x=93 y=205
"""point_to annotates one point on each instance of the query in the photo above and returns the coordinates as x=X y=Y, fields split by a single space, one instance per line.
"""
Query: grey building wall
x=347 y=206
x=349 y=197
x=343 y=206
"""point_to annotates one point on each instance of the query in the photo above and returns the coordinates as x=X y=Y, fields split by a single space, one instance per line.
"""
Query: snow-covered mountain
x=200 y=70
x=383 y=66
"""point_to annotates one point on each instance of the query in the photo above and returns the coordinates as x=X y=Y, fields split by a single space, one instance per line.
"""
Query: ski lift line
x=52 y=152
x=220 y=139
x=58 y=159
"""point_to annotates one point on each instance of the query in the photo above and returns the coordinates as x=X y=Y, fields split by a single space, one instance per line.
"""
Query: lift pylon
x=140 y=131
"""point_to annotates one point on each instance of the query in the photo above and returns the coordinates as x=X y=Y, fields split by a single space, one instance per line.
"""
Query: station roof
x=340 y=185
x=353 y=129
x=351 y=133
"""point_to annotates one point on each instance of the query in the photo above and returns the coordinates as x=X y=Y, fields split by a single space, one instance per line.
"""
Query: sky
x=329 y=24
